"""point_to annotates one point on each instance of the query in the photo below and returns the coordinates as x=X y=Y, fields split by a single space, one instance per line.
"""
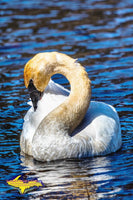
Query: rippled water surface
x=100 y=34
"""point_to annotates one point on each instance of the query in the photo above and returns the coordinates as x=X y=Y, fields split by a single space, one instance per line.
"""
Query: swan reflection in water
x=69 y=179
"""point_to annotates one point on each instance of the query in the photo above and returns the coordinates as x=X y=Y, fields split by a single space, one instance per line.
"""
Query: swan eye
x=35 y=95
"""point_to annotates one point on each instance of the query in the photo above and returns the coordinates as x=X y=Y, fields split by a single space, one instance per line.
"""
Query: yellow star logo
x=24 y=185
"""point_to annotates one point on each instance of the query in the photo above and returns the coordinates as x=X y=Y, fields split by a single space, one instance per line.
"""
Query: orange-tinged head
x=37 y=69
x=37 y=73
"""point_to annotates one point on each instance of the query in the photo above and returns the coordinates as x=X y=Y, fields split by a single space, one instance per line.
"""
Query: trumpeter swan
x=60 y=125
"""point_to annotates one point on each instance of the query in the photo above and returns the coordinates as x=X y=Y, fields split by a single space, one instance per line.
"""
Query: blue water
x=100 y=34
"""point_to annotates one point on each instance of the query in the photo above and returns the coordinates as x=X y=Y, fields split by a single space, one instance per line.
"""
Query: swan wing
x=100 y=129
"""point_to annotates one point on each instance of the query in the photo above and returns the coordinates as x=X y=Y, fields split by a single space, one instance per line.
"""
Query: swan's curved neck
x=70 y=113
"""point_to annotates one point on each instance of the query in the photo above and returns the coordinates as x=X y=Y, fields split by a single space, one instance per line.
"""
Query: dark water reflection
x=100 y=34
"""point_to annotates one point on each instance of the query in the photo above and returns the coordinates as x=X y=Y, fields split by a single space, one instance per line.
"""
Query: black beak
x=35 y=95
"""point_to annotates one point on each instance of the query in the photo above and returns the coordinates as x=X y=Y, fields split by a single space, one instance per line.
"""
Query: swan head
x=37 y=69
x=36 y=76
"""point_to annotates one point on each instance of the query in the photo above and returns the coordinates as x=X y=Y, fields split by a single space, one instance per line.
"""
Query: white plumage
x=99 y=132
x=45 y=139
